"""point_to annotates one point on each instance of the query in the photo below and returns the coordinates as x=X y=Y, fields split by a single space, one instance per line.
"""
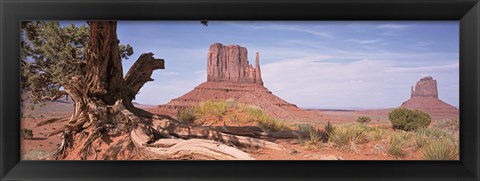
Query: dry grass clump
x=436 y=144
x=396 y=146
x=312 y=137
x=363 y=119
x=447 y=125
x=398 y=141
x=185 y=116
x=234 y=111
x=378 y=133
x=213 y=108
x=347 y=137
x=441 y=149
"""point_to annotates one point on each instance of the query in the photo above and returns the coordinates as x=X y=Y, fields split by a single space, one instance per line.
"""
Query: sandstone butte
x=424 y=97
x=231 y=76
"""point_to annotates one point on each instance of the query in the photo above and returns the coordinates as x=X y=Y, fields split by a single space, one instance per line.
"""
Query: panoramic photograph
x=239 y=90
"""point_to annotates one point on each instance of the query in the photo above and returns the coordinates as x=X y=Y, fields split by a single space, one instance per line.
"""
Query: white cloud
x=393 y=26
x=435 y=68
x=365 y=41
x=423 y=44
x=311 y=82
x=169 y=73
x=313 y=31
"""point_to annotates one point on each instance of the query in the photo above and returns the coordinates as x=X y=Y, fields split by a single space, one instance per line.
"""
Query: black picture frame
x=466 y=11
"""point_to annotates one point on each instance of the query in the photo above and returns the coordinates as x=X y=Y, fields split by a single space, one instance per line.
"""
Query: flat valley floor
x=39 y=146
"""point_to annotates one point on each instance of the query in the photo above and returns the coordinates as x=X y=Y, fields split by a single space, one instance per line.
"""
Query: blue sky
x=314 y=64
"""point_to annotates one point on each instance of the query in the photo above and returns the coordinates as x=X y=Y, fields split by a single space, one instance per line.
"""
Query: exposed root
x=52 y=120
x=152 y=138
x=67 y=141
x=178 y=149
x=187 y=132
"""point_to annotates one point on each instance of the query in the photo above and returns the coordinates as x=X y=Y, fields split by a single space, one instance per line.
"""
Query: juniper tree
x=88 y=66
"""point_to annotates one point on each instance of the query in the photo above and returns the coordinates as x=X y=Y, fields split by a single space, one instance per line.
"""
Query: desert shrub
x=239 y=112
x=397 y=143
x=26 y=133
x=213 y=108
x=377 y=133
x=425 y=136
x=448 y=125
x=185 y=116
x=252 y=111
x=433 y=133
x=230 y=103
x=312 y=136
x=441 y=149
x=264 y=121
x=269 y=124
x=363 y=119
x=329 y=128
x=406 y=119
x=421 y=140
x=348 y=136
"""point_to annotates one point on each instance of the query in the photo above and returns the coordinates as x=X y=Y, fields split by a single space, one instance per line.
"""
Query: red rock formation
x=426 y=87
x=424 y=97
x=230 y=76
x=230 y=64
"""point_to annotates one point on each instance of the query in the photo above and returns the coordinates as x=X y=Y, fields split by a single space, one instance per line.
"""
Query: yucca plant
x=378 y=133
x=329 y=128
x=397 y=143
x=348 y=136
x=442 y=149
x=312 y=136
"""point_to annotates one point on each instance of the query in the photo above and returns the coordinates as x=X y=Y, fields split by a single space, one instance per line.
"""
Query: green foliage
x=377 y=133
x=213 y=108
x=269 y=124
x=220 y=109
x=426 y=136
x=51 y=54
x=312 y=136
x=329 y=128
x=442 y=149
x=363 y=119
x=448 y=125
x=397 y=142
x=406 y=119
x=348 y=136
x=185 y=116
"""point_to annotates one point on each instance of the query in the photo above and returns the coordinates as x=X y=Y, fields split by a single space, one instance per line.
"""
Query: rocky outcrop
x=230 y=64
x=426 y=87
x=247 y=93
x=424 y=97
x=230 y=76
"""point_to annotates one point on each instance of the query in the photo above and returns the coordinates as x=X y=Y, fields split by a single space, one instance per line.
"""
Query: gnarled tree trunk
x=106 y=125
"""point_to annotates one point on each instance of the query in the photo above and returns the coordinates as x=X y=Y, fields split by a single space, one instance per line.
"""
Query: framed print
x=272 y=90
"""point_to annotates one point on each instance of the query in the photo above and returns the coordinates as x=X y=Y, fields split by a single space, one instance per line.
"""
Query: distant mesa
x=424 y=97
x=230 y=76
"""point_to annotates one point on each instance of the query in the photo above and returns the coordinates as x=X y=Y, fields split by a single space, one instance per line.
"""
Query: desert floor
x=40 y=146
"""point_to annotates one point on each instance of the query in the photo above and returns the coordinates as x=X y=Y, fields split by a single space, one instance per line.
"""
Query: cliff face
x=230 y=64
x=424 y=97
x=426 y=87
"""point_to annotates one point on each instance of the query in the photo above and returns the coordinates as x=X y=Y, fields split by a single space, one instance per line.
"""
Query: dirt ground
x=40 y=146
